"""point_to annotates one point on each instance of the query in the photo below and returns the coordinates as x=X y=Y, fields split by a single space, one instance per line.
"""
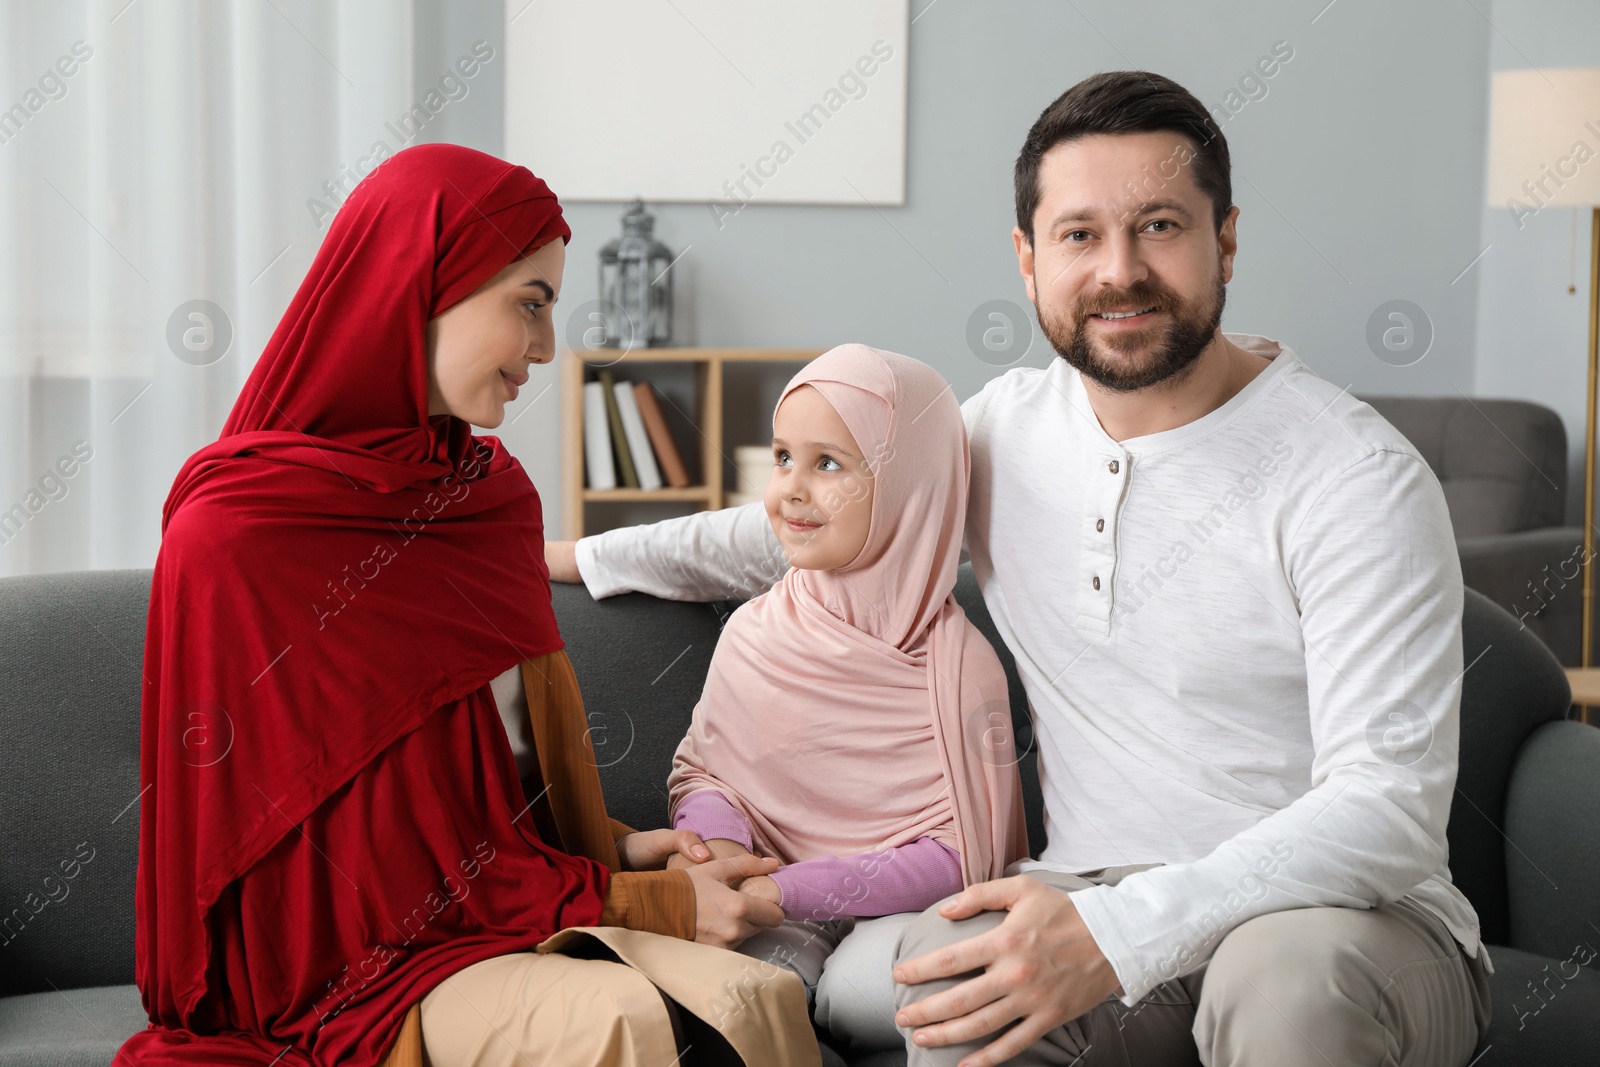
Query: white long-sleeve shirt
x=1240 y=640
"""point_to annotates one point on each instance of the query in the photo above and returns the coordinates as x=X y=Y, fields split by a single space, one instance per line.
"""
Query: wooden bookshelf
x=706 y=421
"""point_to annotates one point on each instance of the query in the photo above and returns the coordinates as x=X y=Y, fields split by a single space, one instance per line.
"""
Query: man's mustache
x=1159 y=299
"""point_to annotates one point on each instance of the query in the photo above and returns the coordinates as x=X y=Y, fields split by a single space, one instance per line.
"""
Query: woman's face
x=820 y=497
x=479 y=349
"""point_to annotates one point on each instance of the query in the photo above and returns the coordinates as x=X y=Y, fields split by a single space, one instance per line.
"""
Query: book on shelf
x=597 y=459
x=626 y=441
x=619 y=436
x=655 y=423
x=644 y=461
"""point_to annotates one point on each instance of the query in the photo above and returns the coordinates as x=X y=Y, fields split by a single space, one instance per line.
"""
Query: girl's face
x=480 y=348
x=820 y=495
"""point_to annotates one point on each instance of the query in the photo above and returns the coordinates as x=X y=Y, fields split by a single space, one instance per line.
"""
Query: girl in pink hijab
x=855 y=725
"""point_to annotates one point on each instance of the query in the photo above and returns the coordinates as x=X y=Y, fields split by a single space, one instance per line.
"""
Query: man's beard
x=1171 y=347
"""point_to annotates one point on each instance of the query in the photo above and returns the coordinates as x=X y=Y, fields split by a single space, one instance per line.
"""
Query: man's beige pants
x=1328 y=986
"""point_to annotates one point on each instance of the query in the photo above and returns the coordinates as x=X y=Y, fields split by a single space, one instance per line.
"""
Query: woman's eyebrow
x=540 y=283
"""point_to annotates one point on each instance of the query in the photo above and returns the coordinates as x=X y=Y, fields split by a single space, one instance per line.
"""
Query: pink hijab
x=857 y=709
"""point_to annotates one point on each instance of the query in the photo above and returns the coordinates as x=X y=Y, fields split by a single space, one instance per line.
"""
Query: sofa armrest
x=1552 y=865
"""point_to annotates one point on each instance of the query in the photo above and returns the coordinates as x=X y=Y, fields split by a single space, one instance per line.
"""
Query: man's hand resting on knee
x=1040 y=966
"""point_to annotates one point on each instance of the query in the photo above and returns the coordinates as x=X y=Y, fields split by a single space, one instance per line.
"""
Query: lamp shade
x=1544 y=139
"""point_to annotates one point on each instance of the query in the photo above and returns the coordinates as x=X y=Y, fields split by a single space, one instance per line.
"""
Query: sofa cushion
x=1545 y=1011
x=69 y=1027
x=71 y=652
x=1512 y=686
x=1552 y=864
x=640 y=663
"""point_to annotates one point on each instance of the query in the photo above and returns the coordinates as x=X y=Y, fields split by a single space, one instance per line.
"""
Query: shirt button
x=1097 y=581
x=1099 y=525
x=1113 y=466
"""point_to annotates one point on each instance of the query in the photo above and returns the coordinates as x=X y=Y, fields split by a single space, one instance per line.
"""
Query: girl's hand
x=723 y=915
x=651 y=850
x=762 y=887
x=561 y=558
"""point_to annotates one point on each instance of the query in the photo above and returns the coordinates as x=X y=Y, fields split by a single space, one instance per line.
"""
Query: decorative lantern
x=636 y=284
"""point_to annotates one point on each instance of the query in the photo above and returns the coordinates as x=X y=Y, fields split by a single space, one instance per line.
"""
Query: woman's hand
x=561 y=557
x=652 y=850
x=723 y=915
x=720 y=847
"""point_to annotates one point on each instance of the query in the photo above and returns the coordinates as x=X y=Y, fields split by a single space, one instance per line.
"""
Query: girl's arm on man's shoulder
x=731 y=554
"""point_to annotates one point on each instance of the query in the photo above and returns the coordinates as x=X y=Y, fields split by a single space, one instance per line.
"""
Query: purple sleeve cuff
x=908 y=878
x=711 y=815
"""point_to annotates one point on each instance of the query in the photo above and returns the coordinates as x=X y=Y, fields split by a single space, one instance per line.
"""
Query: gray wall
x=1532 y=334
x=1358 y=175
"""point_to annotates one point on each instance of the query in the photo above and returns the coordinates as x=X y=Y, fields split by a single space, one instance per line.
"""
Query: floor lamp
x=1544 y=151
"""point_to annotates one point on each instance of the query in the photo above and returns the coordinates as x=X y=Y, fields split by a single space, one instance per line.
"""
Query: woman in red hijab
x=332 y=827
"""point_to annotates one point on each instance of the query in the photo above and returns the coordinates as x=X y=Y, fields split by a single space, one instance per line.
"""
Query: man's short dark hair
x=1127 y=101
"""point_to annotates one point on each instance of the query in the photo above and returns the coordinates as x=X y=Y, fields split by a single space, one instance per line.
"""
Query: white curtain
x=153 y=154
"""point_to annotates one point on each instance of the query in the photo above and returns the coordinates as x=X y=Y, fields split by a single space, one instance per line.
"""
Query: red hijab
x=340 y=576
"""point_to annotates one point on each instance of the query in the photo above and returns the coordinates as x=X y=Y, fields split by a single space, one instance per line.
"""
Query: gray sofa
x=1523 y=830
x=1503 y=465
